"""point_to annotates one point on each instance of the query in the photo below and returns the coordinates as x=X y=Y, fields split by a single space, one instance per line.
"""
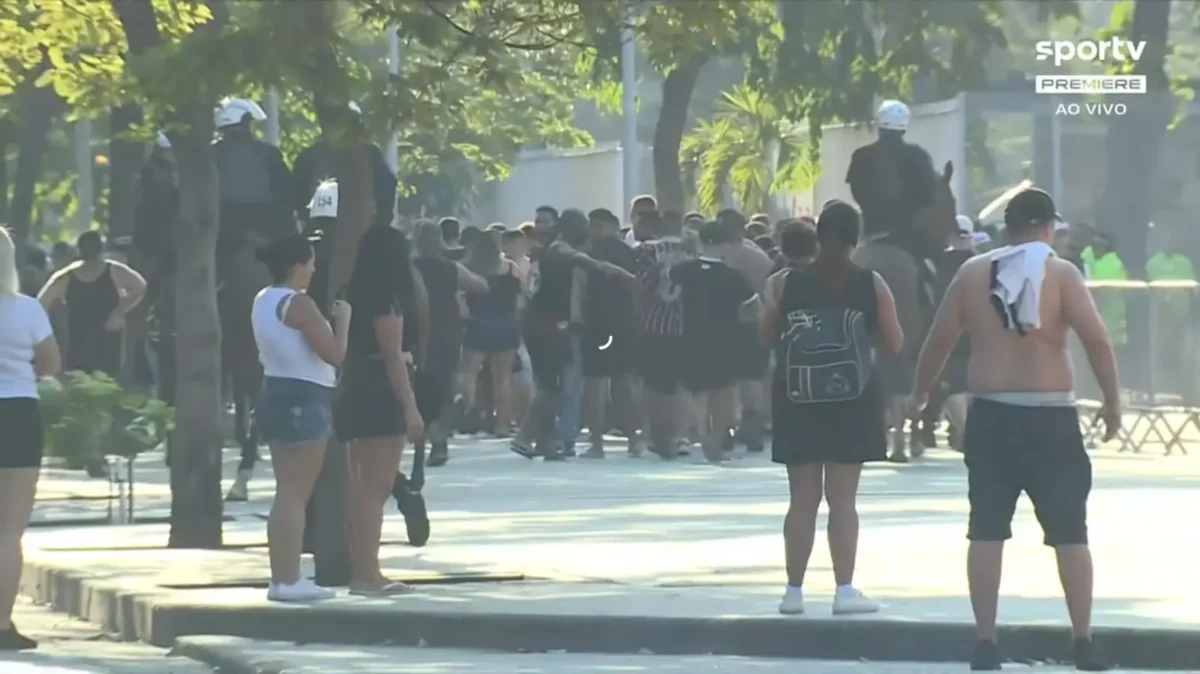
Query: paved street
x=620 y=539
x=68 y=646
x=273 y=657
x=647 y=523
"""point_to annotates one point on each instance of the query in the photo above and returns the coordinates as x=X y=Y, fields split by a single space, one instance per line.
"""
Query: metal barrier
x=1157 y=363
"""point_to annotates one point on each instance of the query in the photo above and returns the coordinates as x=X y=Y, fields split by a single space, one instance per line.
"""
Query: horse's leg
x=897 y=414
x=246 y=434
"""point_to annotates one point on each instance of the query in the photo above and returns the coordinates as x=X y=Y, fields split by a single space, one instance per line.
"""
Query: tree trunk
x=677 y=91
x=195 y=464
x=196 y=505
x=1132 y=154
x=36 y=109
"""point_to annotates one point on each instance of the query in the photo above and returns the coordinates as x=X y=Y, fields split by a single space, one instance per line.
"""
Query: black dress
x=851 y=431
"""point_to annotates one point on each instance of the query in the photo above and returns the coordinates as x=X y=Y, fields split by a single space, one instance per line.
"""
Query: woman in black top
x=444 y=279
x=493 y=332
x=376 y=409
x=824 y=444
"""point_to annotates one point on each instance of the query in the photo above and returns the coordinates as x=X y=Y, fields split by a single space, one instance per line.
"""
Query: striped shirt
x=660 y=305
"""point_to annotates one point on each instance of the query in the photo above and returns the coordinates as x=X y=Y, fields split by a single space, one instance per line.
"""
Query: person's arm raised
x=469 y=282
x=588 y=262
x=328 y=343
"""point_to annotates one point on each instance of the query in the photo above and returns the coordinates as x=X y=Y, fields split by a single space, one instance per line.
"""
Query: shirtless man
x=1022 y=431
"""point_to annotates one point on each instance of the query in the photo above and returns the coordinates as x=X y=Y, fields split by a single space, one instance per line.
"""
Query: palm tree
x=749 y=148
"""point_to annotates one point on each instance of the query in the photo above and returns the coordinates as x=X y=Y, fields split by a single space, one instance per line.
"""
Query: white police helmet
x=162 y=141
x=324 y=202
x=232 y=110
x=355 y=108
x=893 y=115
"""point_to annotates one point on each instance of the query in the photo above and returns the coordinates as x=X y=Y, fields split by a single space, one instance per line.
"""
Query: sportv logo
x=1114 y=49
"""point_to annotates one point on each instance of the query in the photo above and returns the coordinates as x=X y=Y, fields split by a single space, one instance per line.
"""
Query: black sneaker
x=1086 y=658
x=555 y=452
x=523 y=448
x=986 y=657
x=12 y=640
x=439 y=454
x=411 y=504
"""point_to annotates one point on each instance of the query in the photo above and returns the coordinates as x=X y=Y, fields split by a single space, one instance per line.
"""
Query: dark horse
x=244 y=278
x=912 y=280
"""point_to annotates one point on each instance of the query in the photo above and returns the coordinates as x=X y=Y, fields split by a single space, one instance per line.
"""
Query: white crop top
x=283 y=350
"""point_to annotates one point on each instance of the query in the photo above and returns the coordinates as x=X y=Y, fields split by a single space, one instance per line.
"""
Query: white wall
x=581 y=178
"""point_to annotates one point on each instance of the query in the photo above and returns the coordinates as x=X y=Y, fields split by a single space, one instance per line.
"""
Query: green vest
x=1109 y=301
x=1168 y=267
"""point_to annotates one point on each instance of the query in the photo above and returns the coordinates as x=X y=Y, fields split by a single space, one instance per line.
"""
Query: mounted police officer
x=891 y=179
x=254 y=182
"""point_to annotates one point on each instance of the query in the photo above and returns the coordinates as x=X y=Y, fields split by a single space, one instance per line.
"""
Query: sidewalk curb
x=161 y=618
x=223 y=655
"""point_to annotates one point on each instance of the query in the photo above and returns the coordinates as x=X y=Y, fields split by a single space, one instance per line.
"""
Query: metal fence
x=1154 y=328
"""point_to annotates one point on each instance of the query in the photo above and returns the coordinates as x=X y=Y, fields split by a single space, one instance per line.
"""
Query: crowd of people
x=680 y=332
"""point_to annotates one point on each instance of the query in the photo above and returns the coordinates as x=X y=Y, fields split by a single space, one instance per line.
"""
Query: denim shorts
x=294 y=412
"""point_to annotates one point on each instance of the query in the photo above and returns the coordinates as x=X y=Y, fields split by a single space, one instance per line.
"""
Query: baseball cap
x=1031 y=205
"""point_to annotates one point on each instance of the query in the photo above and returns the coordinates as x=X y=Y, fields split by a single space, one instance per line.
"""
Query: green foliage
x=89 y=414
x=750 y=147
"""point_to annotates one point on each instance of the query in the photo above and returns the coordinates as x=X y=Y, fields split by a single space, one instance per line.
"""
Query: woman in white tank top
x=299 y=354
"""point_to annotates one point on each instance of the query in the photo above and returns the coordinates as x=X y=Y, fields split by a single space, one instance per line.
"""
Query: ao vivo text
x=1099 y=109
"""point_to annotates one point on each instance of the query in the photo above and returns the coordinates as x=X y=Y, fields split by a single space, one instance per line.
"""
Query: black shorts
x=661 y=363
x=549 y=348
x=365 y=406
x=706 y=367
x=23 y=444
x=617 y=358
x=1011 y=449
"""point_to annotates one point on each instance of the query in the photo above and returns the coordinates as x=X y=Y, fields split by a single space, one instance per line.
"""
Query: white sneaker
x=302 y=590
x=792 y=602
x=849 y=601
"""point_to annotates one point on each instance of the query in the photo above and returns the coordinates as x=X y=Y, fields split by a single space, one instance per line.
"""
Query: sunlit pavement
x=238 y=656
x=68 y=646
x=626 y=537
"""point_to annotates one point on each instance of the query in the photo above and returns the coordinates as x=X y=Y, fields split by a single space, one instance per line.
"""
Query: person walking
x=827 y=404
x=299 y=353
x=98 y=294
x=27 y=351
x=375 y=409
x=493 y=332
x=1017 y=305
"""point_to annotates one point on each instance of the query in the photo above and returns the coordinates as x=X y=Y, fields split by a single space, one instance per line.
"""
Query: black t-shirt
x=891 y=182
x=609 y=306
x=551 y=284
x=712 y=294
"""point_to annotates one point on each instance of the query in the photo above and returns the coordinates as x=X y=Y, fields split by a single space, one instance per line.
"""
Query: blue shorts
x=294 y=412
x=493 y=332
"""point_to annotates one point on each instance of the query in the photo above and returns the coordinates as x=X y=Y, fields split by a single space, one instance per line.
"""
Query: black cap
x=1031 y=205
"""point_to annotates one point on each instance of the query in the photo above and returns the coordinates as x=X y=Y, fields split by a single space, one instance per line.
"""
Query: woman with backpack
x=825 y=320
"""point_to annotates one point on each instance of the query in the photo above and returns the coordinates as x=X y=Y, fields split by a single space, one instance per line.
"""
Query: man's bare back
x=1005 y=361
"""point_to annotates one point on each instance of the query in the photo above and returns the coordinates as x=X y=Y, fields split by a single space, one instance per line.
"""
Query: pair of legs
x=618 y=389
x=18 y=486
x=667 y=409
x=500 y=366
x=296 y=469
x=373 y=464
x=539 y=432
x=1038 y=450
x=807 y=484
x=717 y=413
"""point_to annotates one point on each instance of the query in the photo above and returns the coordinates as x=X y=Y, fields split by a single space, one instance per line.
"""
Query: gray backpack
x=828 y=357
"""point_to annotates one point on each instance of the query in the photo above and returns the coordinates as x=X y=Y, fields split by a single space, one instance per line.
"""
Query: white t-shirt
x=23 y=325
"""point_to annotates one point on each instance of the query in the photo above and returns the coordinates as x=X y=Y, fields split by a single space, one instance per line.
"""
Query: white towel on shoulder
x=1017 y=283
